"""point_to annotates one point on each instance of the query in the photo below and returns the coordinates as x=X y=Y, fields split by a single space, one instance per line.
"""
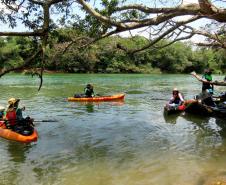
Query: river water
x=111 y=143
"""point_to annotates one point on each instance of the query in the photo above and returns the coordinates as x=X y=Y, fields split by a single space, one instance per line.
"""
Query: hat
x=12 y=101
x=175 y=89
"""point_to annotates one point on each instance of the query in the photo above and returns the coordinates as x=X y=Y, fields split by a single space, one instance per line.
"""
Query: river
x=111 y=143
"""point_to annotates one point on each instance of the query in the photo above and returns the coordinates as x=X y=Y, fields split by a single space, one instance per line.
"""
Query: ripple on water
x=112 y=143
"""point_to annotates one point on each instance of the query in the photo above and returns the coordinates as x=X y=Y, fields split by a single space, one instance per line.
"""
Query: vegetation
x=77 y=49
x=105 y=57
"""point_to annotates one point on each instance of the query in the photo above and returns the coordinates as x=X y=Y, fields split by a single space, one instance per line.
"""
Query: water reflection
x=92 y=107
x=16 y=167
x=89 y=107
x=18 y=151
x=113 y=142
x=172 y=118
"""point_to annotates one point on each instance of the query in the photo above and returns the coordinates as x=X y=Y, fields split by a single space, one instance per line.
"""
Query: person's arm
x=199 y=78
x=181 y=97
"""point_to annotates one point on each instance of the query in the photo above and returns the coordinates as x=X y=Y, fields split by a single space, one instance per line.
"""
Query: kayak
x=99 y=98
x=196 y=107
x=14 y=136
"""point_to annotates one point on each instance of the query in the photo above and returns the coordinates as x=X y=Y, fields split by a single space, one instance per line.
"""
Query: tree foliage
x=105 y=57
x=95 y=20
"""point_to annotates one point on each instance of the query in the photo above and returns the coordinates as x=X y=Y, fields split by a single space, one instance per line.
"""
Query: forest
x=104 y=56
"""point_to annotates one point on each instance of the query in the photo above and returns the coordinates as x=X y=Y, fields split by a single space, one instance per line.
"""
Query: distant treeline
x=105 y=57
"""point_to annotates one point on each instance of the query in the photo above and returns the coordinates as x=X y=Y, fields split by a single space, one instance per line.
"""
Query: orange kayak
x=99 y=98
x=11 y=135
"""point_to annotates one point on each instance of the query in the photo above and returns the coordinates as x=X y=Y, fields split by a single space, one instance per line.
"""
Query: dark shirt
x=89 y=92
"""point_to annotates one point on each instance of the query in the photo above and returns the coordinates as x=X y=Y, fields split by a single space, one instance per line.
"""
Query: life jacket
x=11 y=117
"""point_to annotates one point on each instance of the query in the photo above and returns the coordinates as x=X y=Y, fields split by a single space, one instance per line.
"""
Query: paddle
x=45 y=120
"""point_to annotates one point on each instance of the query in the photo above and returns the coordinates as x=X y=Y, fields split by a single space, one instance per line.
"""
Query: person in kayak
x=12 y=113
x=177 y=98
x=14 y=117
x=89 y=91
x=207 y=78
x=206 y=96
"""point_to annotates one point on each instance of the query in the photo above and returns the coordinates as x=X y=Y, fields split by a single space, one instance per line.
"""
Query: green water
x=111 y=143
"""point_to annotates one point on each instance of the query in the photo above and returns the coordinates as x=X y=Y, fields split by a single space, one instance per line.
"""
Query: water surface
x=111 y=143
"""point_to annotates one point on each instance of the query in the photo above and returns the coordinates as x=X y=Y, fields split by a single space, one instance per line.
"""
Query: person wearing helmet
x=176 y=98
x=89 y=91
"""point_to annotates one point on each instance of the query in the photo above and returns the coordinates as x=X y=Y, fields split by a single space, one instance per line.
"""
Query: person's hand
x=193 y=73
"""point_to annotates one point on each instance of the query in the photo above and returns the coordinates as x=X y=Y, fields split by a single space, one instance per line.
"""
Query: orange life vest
x=11 y=117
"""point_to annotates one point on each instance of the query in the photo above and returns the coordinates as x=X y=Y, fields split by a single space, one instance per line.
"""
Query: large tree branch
x=123 y=26
x=192 y=8
x=176 y=26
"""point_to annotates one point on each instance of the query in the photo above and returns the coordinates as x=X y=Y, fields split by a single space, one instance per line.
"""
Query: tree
x=111 y=17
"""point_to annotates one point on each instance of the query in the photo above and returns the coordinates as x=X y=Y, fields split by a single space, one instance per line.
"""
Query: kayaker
x=207 y=78
x=177 y=98
x=14 y=117
x=89 y=91
x=11 y=113
x=206 y=97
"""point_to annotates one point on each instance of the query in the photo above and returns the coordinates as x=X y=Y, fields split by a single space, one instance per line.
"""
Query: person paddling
x=10 y=116
x=207 y=79
x=89 y=91
x=206 y=97
x=14 y=117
